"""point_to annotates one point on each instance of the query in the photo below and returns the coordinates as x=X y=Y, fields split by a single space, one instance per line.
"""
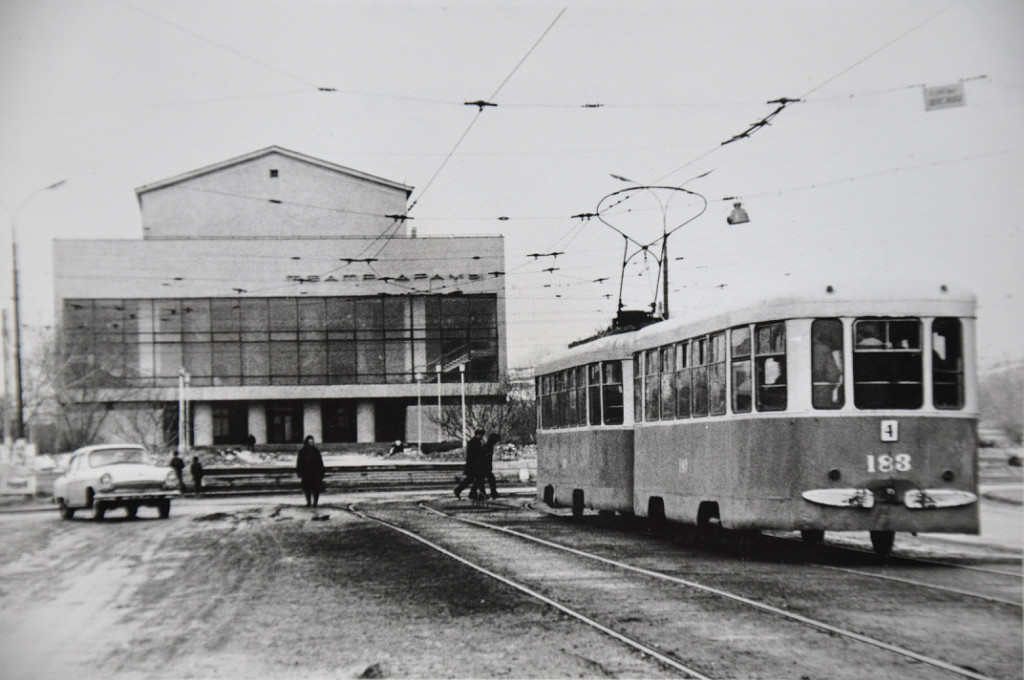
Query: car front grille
x=140 y=485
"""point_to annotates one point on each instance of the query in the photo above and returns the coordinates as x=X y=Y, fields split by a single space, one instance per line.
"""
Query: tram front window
x=887 y=368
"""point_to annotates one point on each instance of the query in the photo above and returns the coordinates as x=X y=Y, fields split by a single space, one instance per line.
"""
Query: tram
x=819 y=407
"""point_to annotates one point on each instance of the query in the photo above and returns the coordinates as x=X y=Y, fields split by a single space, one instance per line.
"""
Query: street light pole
x=419 y=412
x=462 y=380
x=19 y=420
x=440 y=438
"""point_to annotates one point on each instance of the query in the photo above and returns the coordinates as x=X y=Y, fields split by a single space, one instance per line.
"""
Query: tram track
x=637 y=645
x=901 y=559
x=721 y=593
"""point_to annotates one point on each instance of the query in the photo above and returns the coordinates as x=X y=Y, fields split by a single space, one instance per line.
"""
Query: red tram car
x=846 y=407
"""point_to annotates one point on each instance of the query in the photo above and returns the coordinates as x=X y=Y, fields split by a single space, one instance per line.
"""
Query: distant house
x=291 y=294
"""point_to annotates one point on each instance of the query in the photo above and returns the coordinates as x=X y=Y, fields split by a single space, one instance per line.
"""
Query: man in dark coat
x=486 y=470
x=177 y=464
x=310 y=467
x=474 y=452
x=196 y=469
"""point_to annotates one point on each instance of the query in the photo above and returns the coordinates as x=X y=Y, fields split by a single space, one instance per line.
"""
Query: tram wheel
x=812 y=535
x=882 y=542
x=577 y=503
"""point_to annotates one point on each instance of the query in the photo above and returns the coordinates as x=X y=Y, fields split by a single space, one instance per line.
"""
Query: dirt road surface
x=267 y=588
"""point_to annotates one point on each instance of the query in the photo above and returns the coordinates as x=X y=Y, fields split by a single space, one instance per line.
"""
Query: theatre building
x=294 y=298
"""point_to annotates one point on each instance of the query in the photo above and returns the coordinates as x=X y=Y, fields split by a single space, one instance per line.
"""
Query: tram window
x=638 y=393
x=594 y=394
x=570 y=397
x=770 y=366
x=827 y=364
x=682 y=377
x=699 y=377
x=612 y=392
x=716 y=374
x=652 y=383
x=741 y=385
x=887 y=364
x=581 y=395
x=668 y=392
x=947 y=364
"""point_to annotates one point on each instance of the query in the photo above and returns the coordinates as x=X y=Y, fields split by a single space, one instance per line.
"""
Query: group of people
x=309 y=466
x=195 y=469
x=479 y=464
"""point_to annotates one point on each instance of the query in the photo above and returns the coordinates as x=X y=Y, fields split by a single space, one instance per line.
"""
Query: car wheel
x=164 y=509
x=98 y=510
x=65 y=511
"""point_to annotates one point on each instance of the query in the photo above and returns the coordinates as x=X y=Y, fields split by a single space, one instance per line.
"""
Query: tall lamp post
x=19 y=421
x=439 y=429
x=462 y=381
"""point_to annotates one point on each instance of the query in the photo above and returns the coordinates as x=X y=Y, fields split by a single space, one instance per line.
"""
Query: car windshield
x=114 y=456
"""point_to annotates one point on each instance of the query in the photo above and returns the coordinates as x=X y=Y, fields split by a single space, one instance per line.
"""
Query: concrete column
x=258 y=421
x=202 y=423
x=312 y=423
x=366 y=422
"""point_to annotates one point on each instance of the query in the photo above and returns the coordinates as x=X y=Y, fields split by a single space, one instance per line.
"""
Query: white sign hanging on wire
x=944 y=96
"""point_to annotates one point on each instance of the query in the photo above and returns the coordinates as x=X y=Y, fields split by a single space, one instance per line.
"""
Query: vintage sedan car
x=107 y=476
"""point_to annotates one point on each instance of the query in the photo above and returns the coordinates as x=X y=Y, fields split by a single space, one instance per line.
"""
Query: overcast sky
x=856 y=179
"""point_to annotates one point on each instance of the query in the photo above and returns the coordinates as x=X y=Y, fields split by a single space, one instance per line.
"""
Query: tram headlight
x=834 y=474
x=948 y=476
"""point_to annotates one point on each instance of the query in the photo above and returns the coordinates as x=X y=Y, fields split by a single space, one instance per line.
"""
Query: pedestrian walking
x=486 y=471
x=474 y=450
x=177 y=464
x=309 y=465
x=196 y=470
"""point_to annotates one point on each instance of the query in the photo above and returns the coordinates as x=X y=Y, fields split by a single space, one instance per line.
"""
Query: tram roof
x=606 y=348
x=818 y=298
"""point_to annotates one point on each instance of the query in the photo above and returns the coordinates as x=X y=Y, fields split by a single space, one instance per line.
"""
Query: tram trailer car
x=845 y=407
x=588 y=437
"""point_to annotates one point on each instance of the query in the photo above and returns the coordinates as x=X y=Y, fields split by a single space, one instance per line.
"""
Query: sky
x=855 y=179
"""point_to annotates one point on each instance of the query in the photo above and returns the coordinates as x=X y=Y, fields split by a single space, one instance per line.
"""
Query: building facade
x=292 y=297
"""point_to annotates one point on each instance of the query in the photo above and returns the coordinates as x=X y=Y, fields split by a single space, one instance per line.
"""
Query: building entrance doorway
x=284 y=422
x=338 y=417
x=389 y=416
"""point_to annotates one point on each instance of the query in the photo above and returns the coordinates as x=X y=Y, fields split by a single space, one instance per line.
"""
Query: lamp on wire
x=738 y=215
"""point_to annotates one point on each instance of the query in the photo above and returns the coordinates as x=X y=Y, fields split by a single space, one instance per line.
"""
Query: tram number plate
x=890 y=430
x=901 y=462
x=684 y=466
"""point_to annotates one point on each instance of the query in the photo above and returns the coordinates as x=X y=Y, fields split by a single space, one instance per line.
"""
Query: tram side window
x=611 y=392
x=741 y=384
x=827 y=364
x=594 y=394
x=570 y=397
x=887 y=364
x=770 y=365
x=947 y=364
x=651 y=384
x=638 y=388
x=580 y=417
x=559 y=399
x=544 y=383
x=699 y=376
x=716 y=374
x=539 y=386
x=682 y=378
x=668 y=392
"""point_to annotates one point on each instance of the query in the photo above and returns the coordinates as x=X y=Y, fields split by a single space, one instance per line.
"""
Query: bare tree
x=510 y=413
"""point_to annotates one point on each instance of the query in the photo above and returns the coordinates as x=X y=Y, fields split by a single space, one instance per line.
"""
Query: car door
x=75 y=494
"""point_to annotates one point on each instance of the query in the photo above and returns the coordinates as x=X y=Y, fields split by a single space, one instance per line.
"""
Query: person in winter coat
x=310 y=468
x=177 y=464
x=486 y=470
x=196 y=469
x=474 y=451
